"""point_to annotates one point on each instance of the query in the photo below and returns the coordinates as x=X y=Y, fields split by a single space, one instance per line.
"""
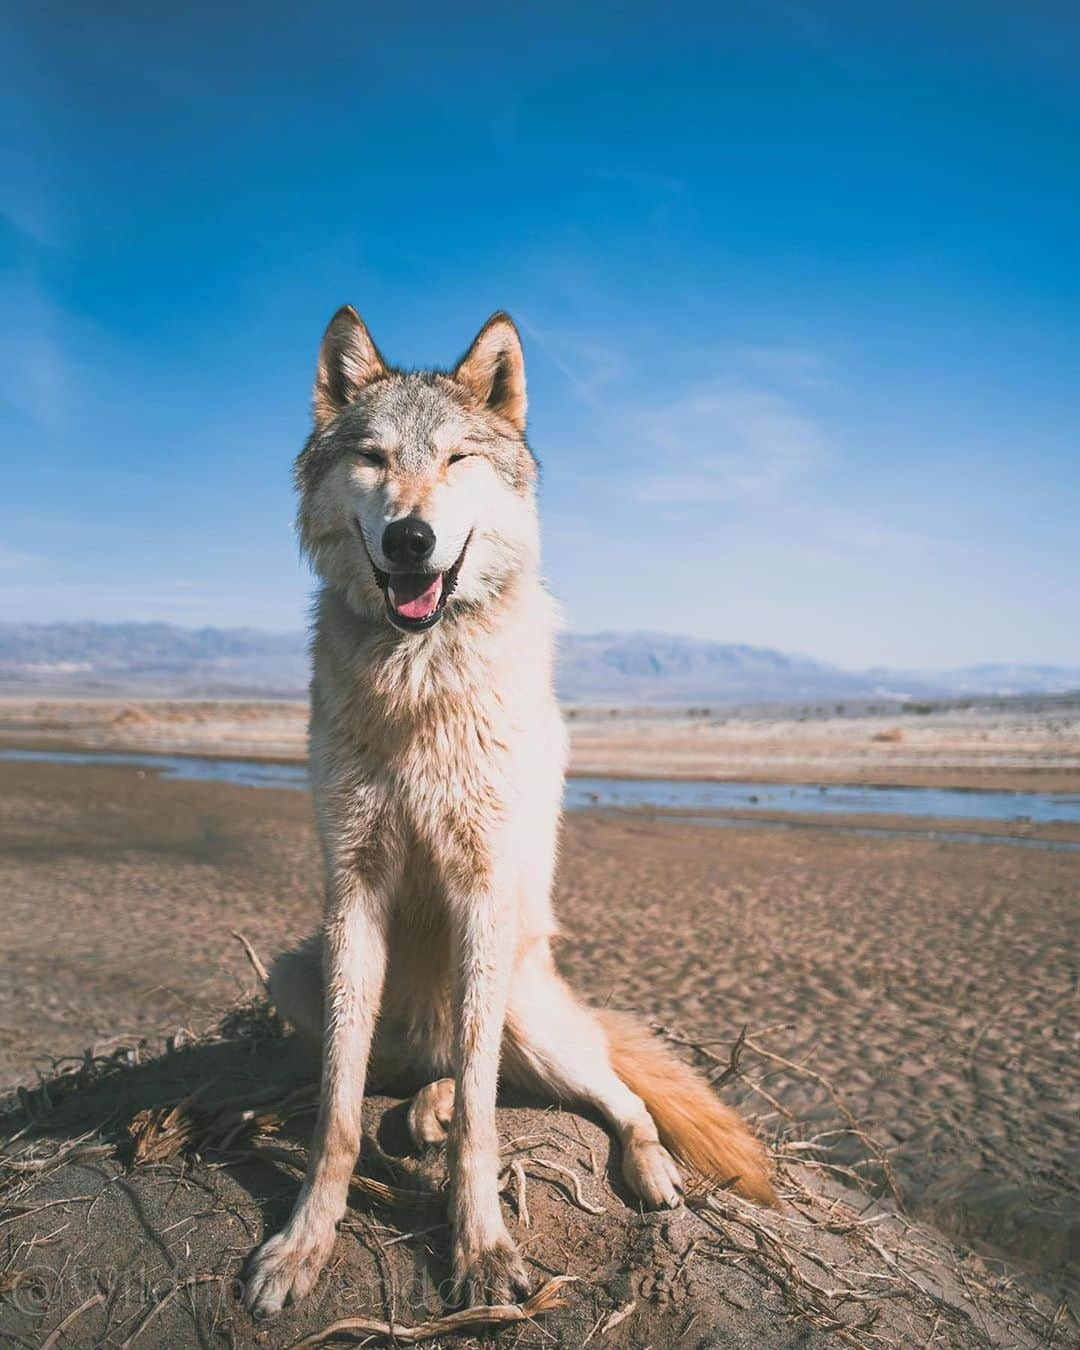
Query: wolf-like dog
x=437 y=762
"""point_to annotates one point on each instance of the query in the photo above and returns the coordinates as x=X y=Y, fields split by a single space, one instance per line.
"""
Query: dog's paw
x=489 y=1274
x=430 y=1113
x=285 y=1269
x=652 y=1174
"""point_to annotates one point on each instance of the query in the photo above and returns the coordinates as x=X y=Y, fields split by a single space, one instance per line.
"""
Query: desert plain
x=921 y=983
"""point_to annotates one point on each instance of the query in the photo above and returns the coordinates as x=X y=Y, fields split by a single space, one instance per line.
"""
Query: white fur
x=437 y=763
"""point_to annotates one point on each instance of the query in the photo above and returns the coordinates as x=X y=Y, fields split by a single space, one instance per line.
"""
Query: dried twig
x=58 y=1331
x=854 y=1127
x=162 y=1132
x=27 y=1211
x=517 y=1171
x=468 y=1319
x=75 y=1150
x=163 y=1302
x=253 y=957
x=617 y=1317
x=725 y=1075
x=611 y=1321
x=366 y=1186
x=573 y=1179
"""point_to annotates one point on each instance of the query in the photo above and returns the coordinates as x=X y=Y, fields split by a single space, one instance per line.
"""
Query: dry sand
x=997 y=748
x=1008 y=746
x=934 y=983
x=128 y=1219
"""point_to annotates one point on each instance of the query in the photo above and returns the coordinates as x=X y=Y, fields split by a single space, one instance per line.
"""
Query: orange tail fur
x=690 y=1118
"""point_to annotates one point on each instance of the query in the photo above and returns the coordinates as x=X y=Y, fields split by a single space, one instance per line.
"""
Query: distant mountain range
x=150 y=658
x=624 y=669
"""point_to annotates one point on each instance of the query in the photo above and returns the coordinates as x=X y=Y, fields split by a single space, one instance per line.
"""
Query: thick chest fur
x=447 y=747
x=440 y=767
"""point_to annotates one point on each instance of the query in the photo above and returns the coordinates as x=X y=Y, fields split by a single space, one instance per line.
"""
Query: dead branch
x=162 y=1303
x=854 y=1127
x=253 y=957
x=160 y=1133
x=517 y=1171
x=75 y=1150
x=393 y=1196
x=544 y=1300
x=572 y=1178
x=54 y=1336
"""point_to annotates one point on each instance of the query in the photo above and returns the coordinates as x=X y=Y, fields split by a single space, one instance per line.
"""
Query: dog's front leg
x=486 y=1265
x=288 y=1265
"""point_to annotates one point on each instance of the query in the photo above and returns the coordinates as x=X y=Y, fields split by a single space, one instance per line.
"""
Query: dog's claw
x=285 y=1269
x=492 y=1275
x=652 y=1174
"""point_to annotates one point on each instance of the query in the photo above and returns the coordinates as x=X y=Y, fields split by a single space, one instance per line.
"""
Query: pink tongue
x=418 y=604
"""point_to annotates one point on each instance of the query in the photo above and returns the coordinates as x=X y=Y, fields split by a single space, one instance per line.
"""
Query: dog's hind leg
x=296 y=988
x=430 y=1113
x=654 y=1101
x=556 y=1045
x=553 y=1044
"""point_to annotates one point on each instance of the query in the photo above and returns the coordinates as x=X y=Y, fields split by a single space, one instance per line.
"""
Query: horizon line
x=572 y=632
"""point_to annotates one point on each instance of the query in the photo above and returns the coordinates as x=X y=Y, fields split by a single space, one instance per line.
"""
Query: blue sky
x=799 y=286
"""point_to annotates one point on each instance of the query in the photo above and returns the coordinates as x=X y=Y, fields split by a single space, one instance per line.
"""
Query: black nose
x=408 y=542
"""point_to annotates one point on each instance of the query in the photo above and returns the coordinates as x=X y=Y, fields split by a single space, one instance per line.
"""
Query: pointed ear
x=348 y=359
x=493 y=370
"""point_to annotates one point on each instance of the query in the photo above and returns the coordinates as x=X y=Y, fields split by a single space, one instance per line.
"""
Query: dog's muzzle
x=415 y=599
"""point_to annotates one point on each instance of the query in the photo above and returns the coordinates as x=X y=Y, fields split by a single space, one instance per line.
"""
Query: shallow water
x=1041 y=808
x=239 y=772
x=881 y=831
x=943 y=804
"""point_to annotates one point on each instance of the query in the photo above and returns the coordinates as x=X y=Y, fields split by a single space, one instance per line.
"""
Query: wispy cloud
x=42 y=376
x=796 y=368
x=725 y=441
x=759 y=447
x=589 y=366
x=11 y=560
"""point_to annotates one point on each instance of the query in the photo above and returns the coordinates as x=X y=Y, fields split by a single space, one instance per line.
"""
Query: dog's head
x=417 y=489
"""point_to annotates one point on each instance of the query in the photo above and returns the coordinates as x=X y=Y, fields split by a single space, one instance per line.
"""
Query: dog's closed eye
x=372 y=457
x=463 y=454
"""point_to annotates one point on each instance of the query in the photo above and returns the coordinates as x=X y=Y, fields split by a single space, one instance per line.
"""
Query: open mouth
x=416 y=600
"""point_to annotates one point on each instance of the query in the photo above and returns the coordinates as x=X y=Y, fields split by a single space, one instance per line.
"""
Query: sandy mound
x=134 y=1186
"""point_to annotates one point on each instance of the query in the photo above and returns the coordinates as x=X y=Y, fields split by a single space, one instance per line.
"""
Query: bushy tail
x=691 y=1119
